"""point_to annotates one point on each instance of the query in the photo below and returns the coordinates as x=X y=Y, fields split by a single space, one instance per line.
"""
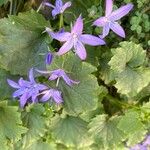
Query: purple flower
x=27 y=91
x=109 y=20
x=139 y=147
x=49 y=58
x=52 y=93
x=59 y=73
x=76 y=39
x=147 y=141
x=59 y=8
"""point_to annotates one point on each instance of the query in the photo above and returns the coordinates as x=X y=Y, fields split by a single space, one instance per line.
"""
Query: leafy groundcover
x=74 y=75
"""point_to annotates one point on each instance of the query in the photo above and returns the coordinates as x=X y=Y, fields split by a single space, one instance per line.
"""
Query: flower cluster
x=76 y=39
x=143 y=145
x=32 y=92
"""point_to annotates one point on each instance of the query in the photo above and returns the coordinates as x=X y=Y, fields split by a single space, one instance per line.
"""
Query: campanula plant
x=82 y=92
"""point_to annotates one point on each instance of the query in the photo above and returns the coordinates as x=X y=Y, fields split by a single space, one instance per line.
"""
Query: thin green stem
x=11 y=7
x=39 y=8
x=61 y=22
x=57 y=82
x=120 y=103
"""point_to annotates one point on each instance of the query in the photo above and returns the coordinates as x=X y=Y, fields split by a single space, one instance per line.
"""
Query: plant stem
x=11 y=7
x=39 y=7
x=61 y=22
x=119 y=103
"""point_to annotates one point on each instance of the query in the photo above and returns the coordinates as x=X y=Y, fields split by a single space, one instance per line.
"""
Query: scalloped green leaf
x=128 y=63
x=71 y=131
x=5 y=89
x=10 y=124
x=128 y=55
x=131 y=82
x=32 y=118
x=132 y=126
x=22 y=42
x=84 y=96
x=41 y=146
x=105 y=131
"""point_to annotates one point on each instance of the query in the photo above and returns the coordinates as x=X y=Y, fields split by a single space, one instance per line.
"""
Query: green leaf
x=71 y=131
x=128 y=63
x=105 y=131
x=106 y=74
x=22 y=42
x=84 y=96
x=35 y=122
x=10 y=124
x=3 y=2
x=41 y=146
x=128 y=55
x=131 y=82
x=6 y=90
x=132 y=126
x=72 y=12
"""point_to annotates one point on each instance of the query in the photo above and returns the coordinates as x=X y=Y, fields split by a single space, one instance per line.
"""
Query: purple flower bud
x=49 y=58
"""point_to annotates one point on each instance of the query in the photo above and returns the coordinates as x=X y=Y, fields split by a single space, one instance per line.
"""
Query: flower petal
x=117 y=29
x=47 y=94
x=62 y=37
x=58 y=3
x=24 y=83
x=68 y=80
x=80 y=50
x=119 y=13
x=100 y=22
x=91 y=40
x=66 y=47
x=57 y=96
x=55 y=12
x=41 y=87
x=65 y=6
x=109 y=7
x=31 y=77
x=43 y=72
x=23 y=99
x=53 y=77
x=78 y=26
x=106 y=30
x=48 y=4
x=13 y=84
x=147 y=141
x=19 y=92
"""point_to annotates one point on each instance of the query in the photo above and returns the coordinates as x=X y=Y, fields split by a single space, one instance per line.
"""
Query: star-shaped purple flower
x=109 y=20
x=27 y=91
x=52 y=93
x=76 y=39
x=59 y=8
x=57 y=74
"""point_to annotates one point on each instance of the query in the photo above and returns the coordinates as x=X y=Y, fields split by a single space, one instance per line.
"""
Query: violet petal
x=119 y=13
x=117 y=29
x=91 y=40
x=80 y=50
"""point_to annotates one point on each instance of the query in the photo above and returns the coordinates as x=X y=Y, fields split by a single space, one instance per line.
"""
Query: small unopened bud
x=49 y=58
